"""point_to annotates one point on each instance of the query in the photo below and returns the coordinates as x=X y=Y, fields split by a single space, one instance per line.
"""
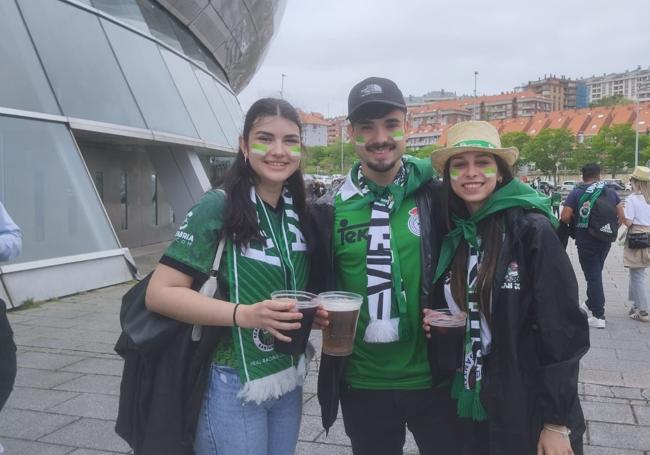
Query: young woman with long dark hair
x=515 y=371
x=252 y=404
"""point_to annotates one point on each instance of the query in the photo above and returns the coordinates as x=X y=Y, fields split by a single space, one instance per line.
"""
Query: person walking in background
x=376 y=237
x=10 y=246
x=253 y=401
x=594 y=233
x=556 y=201
x=502 y=265
x=636 y=260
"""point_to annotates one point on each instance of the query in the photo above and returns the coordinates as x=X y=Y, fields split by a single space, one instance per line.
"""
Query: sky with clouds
x=325 y=46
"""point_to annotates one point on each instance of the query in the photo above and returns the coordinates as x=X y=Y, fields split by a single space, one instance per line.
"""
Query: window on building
x=124 y=201
x=154 y=199
x=85 y=77
x=98 y=178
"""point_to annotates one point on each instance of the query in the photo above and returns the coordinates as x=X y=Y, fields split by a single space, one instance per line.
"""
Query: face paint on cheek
x=454 y=174
x=295 y=151
x=360 y=141
x=259 y=149
x=398 y=135
x=490 y=172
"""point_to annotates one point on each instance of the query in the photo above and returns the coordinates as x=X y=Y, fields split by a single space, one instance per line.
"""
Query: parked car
x=568 y=185
x=614 y=185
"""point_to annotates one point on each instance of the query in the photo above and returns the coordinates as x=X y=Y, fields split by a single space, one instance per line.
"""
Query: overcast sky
x=326 y=46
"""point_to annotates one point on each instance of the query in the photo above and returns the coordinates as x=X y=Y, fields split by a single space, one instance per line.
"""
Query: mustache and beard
x=384 y=165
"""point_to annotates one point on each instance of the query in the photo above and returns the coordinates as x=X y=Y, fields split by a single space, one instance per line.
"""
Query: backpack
x=603 y=219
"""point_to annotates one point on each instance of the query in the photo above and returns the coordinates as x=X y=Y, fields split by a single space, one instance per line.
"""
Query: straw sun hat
x=472 y=135
x=641 y=173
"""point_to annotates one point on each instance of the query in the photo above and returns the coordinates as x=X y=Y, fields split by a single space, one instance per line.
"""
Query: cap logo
x=371 y=89
x=475 y=143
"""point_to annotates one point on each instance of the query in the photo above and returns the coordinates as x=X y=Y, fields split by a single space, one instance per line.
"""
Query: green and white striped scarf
x=278 y=261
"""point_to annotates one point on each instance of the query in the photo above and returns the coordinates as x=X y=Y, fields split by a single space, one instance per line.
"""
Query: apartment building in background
x=623 y=84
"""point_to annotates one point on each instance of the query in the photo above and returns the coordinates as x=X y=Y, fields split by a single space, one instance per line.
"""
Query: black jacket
x=539 y=335
x=322 y=278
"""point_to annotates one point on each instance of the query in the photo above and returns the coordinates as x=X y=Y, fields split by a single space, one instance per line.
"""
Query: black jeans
x=592 y=259
x=7 y=356
x=376 y=420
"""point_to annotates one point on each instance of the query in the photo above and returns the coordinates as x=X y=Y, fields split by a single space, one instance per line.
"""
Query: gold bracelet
x=564 y=433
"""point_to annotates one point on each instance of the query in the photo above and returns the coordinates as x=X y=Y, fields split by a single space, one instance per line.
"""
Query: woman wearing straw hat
x=503 y=265
x=637 y=219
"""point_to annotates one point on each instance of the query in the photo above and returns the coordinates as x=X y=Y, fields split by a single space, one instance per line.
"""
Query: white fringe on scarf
x=277 y=384
x=382 y=331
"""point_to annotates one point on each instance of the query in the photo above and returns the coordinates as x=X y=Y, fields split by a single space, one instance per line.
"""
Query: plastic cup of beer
x=343 y=309
x=307 y=304
x=444 y=322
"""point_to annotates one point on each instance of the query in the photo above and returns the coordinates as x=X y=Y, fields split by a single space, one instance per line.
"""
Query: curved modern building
x=114 y=117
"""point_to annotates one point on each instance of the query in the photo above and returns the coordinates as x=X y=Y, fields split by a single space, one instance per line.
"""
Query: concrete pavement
x=66 y=395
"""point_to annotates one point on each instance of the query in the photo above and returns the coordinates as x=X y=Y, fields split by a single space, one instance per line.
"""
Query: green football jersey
x=398 y=365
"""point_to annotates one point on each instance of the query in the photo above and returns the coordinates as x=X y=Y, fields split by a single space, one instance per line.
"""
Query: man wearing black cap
x=377 y=238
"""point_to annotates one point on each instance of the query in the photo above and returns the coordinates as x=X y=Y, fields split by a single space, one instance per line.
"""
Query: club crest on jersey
x=263 y=340
x=414 y=221
x=511 y=280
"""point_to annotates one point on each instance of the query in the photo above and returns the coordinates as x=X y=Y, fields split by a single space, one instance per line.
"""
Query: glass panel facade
x=22 y=82
x=48 y=192
x=170 y=31
x=78 y=59
x=195 y=100
x=126 y=10
x=150 y=81
x=212 y=90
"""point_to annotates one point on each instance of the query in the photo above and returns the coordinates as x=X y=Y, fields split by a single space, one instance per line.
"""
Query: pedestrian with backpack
x=597 y=212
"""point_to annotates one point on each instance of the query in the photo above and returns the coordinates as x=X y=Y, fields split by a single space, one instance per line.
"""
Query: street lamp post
x=341 y=144
x=475 y=78
x=636 y=139
x=282 y=86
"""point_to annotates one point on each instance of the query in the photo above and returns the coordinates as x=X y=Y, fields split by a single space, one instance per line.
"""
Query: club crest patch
x=263 y=340
x=511 y=280
x=414 y=221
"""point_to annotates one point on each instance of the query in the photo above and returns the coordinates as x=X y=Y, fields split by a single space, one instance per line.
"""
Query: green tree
x=517 y=139
x=610 y=101
x=550 y=150
x=616 y=144
x=424 y=152
x=583 y=153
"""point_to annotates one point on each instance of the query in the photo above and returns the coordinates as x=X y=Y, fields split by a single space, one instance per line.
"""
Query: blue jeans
x=229 y=426
x=592 y=259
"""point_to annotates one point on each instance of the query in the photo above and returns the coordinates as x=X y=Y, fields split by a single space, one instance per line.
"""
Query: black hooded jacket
x=539 y=335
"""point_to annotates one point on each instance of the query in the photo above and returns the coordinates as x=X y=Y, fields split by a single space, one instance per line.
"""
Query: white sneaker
x=585 y=309
x=596 y=323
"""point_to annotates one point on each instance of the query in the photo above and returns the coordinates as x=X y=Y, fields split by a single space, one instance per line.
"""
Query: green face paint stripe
x=398 y=135
x=295 y=150
x=490 y=171
x=475 y=143
x=360 y=140
x=454 y=173
x=260 y=149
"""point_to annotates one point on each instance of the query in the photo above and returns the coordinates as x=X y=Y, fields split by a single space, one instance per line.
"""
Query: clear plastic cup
x=444 y=322
x=307 y=304
x=343 y=309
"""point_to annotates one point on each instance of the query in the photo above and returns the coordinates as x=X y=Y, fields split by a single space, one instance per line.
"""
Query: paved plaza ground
x=66 y=395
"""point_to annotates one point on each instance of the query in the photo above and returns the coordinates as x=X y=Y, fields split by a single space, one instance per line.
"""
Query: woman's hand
x=427 y=328
x=554 y=443
x=271 y=315
x=321 y=319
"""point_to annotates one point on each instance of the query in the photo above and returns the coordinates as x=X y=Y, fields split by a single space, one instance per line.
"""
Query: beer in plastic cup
x=343 y=310
x=307 y=304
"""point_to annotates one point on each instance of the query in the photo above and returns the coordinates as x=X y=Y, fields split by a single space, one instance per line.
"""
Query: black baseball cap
x=377 y=90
